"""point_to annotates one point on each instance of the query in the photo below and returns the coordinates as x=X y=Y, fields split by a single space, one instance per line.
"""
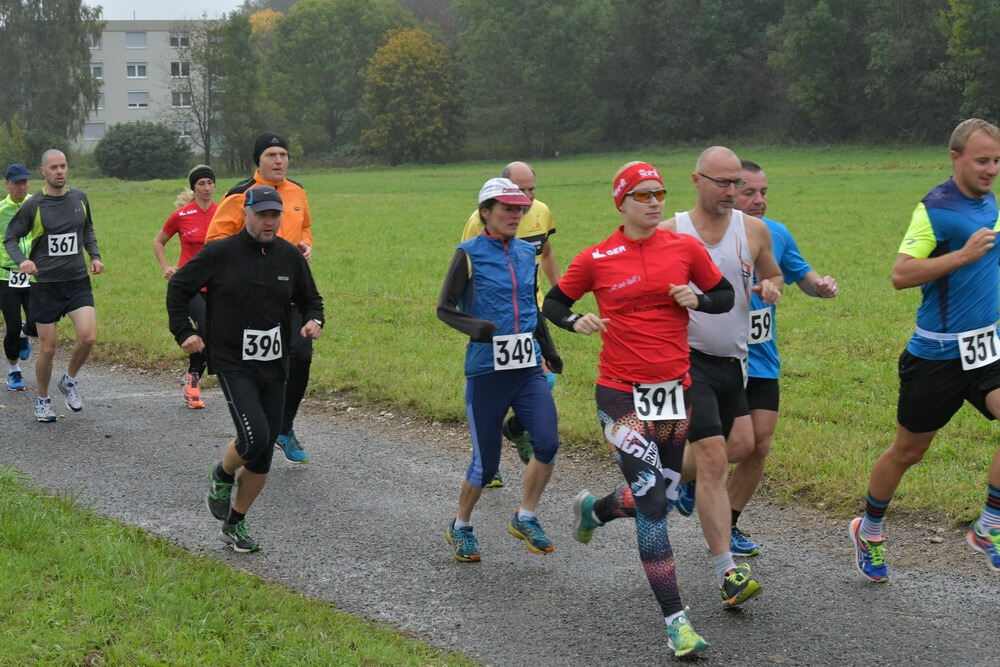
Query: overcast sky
x=124 y=10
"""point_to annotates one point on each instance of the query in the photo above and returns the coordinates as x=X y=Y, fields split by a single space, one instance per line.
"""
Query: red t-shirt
x=191 y=224
x=646 y=338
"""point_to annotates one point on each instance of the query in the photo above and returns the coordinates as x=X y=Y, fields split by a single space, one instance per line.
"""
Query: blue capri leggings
x=487 y=399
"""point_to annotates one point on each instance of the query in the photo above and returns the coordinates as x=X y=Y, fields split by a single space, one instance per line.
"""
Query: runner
x=720 y=430
x=190 y=221
x=640 y=277
x=58 y=222
x=950 y=252
x=536 y=227
x=270 y=154
x=489 y=294
x=764 y=364
x=253 y=280
x=14 y=285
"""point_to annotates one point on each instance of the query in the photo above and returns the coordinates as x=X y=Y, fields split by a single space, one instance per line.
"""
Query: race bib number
x=978 y=347
x=18 y=279
x=261 y=345
x=761 y=326
x=655 y=402
x=513 y=351
x=61 y=245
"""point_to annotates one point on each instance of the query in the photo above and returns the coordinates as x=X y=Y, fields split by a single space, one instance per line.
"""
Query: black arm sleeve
x=717 y=300
x=183 y=285
x=557 y=308
x=545 y=342
x=455 y=281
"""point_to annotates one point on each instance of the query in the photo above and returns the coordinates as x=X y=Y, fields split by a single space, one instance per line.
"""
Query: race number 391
x=656 y=402
x=513 y=351
x=60 y=245
x=260 y=345
x=978 y=347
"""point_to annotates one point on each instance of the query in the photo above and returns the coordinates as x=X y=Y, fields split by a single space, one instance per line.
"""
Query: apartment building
x=142 y=66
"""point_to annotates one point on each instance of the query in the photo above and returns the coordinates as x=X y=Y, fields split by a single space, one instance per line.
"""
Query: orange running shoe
x=192 y=394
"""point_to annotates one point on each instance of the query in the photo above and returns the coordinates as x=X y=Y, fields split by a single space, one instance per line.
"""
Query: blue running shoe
x=15 y=382
x=869 y=555
x=586 y=524
x=740 y=544
x=531 y=532
x=682 y=639
x=464 y=545
x=987 y=543
x=289 y=444
x=25 y=349
x=685 y=499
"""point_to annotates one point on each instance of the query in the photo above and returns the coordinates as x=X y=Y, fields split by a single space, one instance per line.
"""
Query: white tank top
x=724 y=334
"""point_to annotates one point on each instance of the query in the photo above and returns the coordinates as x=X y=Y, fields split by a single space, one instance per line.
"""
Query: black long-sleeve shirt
x=251 y=286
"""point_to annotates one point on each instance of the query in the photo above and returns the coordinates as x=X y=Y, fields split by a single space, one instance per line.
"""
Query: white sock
x=670 y=619
x=723 y=563
x=524 y=515
x=16 y=368
x=461 y=524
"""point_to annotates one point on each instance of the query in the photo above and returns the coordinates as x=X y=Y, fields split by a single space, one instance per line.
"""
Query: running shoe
x=15 y=382
x=494 y=483
x=988 y=543
x=583 y=509
x=869 y=555
x=25 y=348
x=464 y=545
x=525 y=448
x=740 y=544
x=682 y=638
x=289 y=444
x=738 y=587
x=219 y=497
x=192 y=393
x=43 y=410
x=68 y=388
x=685 y=499
x=237 y=535
x=531 y=532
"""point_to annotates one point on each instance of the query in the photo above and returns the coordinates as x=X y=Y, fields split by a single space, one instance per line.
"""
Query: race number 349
x=655 y=402
x=513 y=351
x=259 y=345
x=978 y=347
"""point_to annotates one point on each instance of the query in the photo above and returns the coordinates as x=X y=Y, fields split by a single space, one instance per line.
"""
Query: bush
x=142 y=151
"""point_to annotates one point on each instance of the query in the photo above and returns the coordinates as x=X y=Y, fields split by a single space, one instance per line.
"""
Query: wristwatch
x=318 y=322
x=568 y=322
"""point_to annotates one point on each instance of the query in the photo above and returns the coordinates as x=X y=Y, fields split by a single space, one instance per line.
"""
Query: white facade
x=142 y=66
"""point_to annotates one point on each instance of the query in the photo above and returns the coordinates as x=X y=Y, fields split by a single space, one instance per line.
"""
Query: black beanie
x=265 y=141
x=199 y=172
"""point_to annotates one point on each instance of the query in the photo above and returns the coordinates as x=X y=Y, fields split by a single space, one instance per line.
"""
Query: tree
x=141 y=151
x=318 y=60
x=45 y=50
x=199 y=91
x=412 y=99
x=975 y=54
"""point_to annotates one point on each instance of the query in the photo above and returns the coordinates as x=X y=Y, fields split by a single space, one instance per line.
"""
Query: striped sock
x=871 y=524
x=990 y=518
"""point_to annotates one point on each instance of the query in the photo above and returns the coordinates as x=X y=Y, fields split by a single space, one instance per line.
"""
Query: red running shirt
x=646 y=339
x=190 y=223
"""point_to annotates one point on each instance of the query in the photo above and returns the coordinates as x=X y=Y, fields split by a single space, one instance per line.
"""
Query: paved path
x=362 y=526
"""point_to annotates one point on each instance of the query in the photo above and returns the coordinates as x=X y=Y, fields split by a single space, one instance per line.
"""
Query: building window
x=135 y=70
x=135 y=40
x=99 y=102
x=183 y=130
x=181 y=100
x=93 y=131
x=138 y=99
x=97 y=70
x=180 y=40
x=95 y=41
x=180 y=69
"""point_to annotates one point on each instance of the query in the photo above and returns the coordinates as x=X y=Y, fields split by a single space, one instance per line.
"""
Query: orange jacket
x=296 y=221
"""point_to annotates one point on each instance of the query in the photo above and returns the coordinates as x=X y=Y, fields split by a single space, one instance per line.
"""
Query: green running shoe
x=682 y=638
x=218 y=498
x=236 y=535
x=494 y=483
x=586 y=524
x=525 y=447
x=738 y=587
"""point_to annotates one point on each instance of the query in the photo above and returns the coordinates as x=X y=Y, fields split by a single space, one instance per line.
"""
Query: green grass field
x=384 y=238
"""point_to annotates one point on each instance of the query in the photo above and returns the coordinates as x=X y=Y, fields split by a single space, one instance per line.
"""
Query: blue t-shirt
x=967 y=298
x=763 y=360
